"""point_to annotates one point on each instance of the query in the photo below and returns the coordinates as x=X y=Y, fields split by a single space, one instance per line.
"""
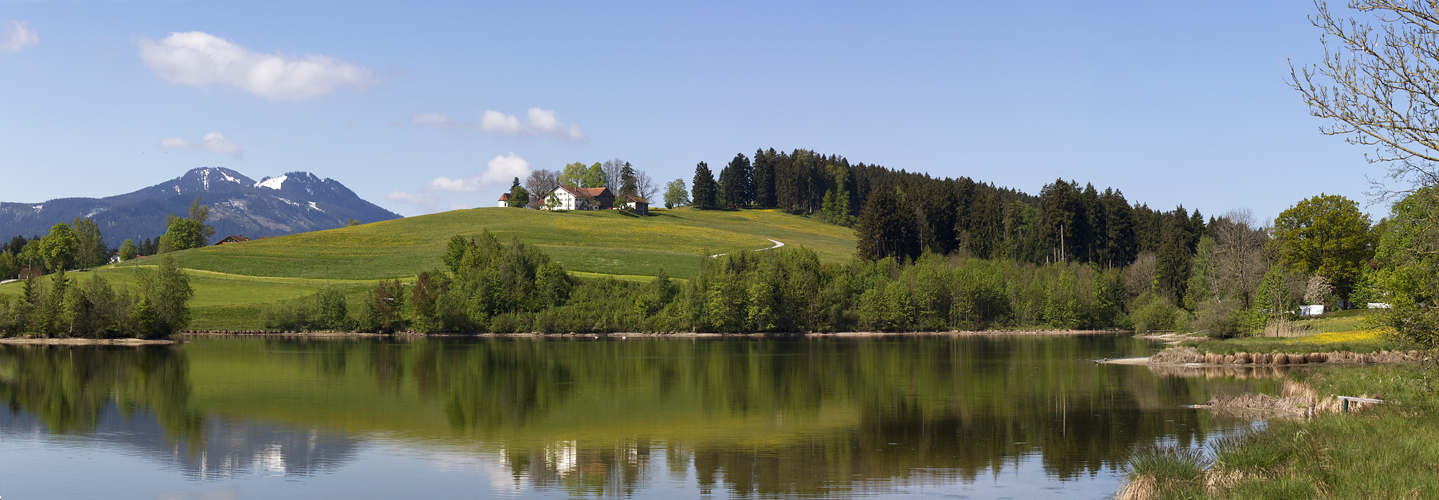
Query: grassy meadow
x=1351 y=330
x=234 y=283
x=595 y=243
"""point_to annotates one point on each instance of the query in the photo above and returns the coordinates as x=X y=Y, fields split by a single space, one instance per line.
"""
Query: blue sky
x=425 y=106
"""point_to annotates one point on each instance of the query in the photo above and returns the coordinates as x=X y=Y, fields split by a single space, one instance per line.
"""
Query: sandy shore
x=75 y=341
x=1126 y=361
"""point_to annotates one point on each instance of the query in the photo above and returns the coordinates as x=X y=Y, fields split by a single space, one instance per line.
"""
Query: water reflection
x=749 y=417
x=222 y=448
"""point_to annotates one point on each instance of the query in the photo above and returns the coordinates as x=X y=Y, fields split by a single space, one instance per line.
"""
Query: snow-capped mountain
x=292 y=203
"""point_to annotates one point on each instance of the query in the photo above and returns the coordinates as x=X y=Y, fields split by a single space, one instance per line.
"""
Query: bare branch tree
x=539 y=183
x=1380 y=87
x=644 y=185
x=612 y=170
x=1239 y=257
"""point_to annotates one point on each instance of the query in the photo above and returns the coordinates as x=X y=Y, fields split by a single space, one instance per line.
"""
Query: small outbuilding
x=27 y=271
x=505 y=200
x=231 y=239
x=639 y=205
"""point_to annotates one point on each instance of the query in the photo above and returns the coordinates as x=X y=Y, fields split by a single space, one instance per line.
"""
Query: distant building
x=1313 y=310
x=505 y=200
x=639 y=205
x=231 y=239
x=27 y=271
x=575 y=198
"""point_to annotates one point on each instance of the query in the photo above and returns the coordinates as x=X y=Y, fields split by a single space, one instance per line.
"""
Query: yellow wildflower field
x=1344 y=337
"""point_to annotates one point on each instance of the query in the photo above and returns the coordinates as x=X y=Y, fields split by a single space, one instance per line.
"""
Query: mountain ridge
x=290 y=203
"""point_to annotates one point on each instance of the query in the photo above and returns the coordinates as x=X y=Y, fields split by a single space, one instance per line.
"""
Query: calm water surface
x=965 y=417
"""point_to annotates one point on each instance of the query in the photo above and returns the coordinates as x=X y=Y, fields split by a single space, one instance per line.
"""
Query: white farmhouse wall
x=567 y=201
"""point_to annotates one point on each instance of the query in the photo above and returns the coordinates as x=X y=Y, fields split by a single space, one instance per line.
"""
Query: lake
x=805 y=417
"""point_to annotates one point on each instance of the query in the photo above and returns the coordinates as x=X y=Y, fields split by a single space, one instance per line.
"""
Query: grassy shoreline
x=1380 y=451
x=1377 y=451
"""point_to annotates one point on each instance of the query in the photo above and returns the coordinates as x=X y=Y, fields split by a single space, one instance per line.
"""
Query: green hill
x=602 y=242
x=232 y=282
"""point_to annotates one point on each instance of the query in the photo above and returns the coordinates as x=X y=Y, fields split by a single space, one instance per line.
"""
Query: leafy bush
x=1220 y=319
x=1151 y=312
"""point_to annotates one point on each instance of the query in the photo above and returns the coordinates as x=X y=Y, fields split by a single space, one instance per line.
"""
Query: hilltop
x=291 y=203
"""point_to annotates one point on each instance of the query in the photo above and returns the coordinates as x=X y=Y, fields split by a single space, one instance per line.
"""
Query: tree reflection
x=68 y=387
x=756 y=417
x=796 y=416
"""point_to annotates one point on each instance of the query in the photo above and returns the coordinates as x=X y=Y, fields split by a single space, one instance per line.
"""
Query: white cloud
x=466 y=185
x=213 y=142
x=503 y=169
x=500 y=170
x=17 y=35
x=426 y=201
x=198 y=58
x=537 y=122
x=495 y=121
x=545 y=121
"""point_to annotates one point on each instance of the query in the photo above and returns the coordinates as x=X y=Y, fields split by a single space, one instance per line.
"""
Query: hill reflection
x=794 y=417
x=138 y=399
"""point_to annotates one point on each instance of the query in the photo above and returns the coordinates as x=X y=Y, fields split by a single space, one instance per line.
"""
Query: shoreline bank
x=85 y=341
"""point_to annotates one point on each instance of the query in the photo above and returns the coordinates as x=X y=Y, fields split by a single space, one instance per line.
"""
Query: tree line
x=902 y=214
x=488 y=286
x=54 y=304
x=80 y=244
x=620 y=176
x=61 y=306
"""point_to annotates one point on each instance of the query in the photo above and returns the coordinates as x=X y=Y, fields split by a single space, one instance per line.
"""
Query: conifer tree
x=887 y=227
x=702 y=190
x=764 y=178
x=629 y=182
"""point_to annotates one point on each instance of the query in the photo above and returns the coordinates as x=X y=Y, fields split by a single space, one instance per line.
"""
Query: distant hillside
x=601 y=242
x=292 y=203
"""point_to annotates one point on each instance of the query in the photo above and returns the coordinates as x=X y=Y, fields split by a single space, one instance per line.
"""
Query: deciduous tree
x=1378 y=86
x=675 y=194
x=539 y=184
x=573 y=175
x=128 y=250
x=91 y=251
x=1325 y=235
x=59 y=247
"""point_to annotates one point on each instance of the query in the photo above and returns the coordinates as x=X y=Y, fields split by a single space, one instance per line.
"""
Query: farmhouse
x=575 y=198
x=639 y=205
x=504 y=200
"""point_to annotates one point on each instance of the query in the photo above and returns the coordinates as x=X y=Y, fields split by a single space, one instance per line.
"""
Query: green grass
x=599 y=243
x=1293 y=345
x=1338 y=321
x=1385 y=451
x=1358 y=321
